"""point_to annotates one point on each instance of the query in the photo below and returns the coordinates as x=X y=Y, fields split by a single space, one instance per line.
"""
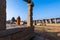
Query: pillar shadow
x=48 y=35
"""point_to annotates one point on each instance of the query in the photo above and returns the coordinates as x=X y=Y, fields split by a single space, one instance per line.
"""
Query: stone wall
x=2 y=14
x=17 y=34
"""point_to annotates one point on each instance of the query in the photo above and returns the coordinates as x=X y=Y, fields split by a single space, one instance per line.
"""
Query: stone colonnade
x=47 y=21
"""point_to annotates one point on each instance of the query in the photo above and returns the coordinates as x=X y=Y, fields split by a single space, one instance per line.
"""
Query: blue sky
x=42 y=9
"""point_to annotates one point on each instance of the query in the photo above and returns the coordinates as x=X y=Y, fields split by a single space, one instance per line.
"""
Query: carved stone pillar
x=2 y=14
x=30 y=14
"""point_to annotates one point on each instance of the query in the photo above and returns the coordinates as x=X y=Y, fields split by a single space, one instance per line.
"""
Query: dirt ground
x=48 y=33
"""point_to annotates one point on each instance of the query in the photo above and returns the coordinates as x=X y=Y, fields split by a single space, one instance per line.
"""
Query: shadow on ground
x=44 y=35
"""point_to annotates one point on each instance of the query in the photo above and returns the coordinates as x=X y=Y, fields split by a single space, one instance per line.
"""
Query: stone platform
x=24 y=33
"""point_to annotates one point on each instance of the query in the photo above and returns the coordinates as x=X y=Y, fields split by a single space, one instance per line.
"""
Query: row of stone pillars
x=46 y=21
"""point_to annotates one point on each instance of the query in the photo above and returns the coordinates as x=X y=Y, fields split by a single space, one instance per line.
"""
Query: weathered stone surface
x=29 y=20
x=2 y=14
x=30 y=14
x=17 y=34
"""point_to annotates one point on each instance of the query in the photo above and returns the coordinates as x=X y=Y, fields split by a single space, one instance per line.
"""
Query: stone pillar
x=42 y=21
x=34 y=22
x=2 y=14
x=30 y=14
x=55 y=20
x=50 y=21
x=46 y=20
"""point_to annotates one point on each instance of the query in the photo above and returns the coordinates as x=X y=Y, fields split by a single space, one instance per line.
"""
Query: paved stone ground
x=11 y=26
x=50 y=34
x=37 y=37
x=44 y=36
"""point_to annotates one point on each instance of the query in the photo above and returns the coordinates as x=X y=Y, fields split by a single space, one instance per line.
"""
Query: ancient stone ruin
x=16 y=33
x=18 y=20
